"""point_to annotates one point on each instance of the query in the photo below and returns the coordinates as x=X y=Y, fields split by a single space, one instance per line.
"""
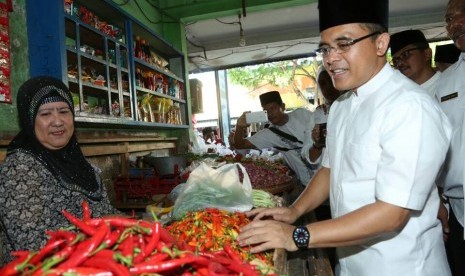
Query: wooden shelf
x=91 y=146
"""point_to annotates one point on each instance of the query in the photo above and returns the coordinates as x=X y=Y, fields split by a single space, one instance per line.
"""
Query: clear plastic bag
x=219 y=188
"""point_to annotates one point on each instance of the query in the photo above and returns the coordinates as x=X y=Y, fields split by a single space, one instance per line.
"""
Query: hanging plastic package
x=220 y=188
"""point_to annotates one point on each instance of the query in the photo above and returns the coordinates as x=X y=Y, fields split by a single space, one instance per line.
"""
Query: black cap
x=270 y=97
x=340 y=12
x=447 y=53
x=401 y=39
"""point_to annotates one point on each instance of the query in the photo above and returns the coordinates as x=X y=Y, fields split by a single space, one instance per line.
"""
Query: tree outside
x=294 y=79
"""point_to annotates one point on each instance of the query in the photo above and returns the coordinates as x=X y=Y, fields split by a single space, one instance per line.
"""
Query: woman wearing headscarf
x=45 y=171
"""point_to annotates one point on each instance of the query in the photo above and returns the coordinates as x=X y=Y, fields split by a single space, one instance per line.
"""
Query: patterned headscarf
x=68 y=165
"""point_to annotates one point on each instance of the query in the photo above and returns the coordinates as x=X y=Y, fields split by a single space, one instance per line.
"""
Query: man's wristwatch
x=301 y=237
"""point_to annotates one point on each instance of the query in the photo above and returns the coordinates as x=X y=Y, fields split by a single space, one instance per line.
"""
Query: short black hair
x=207 y=130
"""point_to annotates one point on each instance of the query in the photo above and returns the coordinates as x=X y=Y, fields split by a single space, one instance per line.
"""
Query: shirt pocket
x=360 y=161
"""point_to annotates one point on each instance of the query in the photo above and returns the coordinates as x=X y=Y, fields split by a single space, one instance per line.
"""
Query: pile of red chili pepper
x=213 y=230
x=121 y=246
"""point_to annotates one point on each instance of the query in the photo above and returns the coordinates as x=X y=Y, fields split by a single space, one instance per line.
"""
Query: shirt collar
x=376 y=82
x=461 y=60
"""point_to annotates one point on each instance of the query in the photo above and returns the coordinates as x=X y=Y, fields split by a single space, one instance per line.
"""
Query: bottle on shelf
x=139 y=81
x=138 y=48
x=143 y=51
x=148 y=55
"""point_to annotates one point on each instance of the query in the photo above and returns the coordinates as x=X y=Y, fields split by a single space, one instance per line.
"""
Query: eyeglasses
x=342 y=46
x=404 y=56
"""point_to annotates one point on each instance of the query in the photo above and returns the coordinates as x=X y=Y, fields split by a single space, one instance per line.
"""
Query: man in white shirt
x=451 y=94
x=386 y=140
x=288 y=133
x=412 y=56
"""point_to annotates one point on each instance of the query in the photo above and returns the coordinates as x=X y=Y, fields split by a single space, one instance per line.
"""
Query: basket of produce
x=116 y=245
x=272 y=176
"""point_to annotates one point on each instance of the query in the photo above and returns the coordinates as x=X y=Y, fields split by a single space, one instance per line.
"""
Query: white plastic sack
x=198 y=144
x=219 y=188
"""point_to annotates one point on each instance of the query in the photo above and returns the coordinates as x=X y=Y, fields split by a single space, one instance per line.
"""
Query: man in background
x=209 y=135
x=412 y=56
x=287 y=133
x=451 y=94
x=445 y=56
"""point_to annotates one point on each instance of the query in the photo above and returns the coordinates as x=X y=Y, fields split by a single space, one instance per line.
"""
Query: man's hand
x=241 y=121
x=443 y=216
x=284 y=214
x=318 y=137
x=267 y=234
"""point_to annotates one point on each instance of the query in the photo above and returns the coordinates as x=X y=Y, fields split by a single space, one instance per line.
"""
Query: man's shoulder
x=300 y=113
x=451 y=80
x=300 y=110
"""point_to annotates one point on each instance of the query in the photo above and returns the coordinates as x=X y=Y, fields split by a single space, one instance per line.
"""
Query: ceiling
x=277 y=29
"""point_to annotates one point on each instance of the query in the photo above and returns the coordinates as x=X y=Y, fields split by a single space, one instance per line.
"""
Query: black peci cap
x=340 y=12
x=401 y=39
x=270 y=97
x=447 y=53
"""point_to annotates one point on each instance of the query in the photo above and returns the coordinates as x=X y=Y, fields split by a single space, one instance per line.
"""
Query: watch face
x=301 y=237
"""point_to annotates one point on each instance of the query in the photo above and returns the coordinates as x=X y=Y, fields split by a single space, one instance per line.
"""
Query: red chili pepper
x=105 y=253
x=114 y=267
x=117 y=221
x=164 y=266
x=16 y=266
x=232 y=254
x=62 y=234
x=156 y=258
x=79 y=271
x=217 y=269
x=127 y=246
x=154 y=238
x=110 y=240
x=86 y=214
x=47 y=249
x=84 y=248
x=87 y=229
x=58 y=257
x=166 y=236
x=203 y=271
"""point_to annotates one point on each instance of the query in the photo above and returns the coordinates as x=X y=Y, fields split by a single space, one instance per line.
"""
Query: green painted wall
x=19 y=64
x=147 y=13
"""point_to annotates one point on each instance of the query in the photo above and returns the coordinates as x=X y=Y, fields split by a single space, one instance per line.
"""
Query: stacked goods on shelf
x=120 y=69
x=5 y=63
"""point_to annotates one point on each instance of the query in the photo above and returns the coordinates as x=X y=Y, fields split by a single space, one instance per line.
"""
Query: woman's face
x=54 y=125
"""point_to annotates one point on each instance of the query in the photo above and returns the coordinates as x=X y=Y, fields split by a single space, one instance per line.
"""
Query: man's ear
x=382 y=43
x=429 y=54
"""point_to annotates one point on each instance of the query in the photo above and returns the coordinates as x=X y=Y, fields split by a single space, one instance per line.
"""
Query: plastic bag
x=215 y=188
x=198 y=144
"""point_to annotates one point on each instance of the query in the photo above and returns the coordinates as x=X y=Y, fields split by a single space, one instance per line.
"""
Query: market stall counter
x=270 y=183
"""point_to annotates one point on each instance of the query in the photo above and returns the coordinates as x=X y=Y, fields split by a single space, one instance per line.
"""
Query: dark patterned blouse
x=31 y=200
